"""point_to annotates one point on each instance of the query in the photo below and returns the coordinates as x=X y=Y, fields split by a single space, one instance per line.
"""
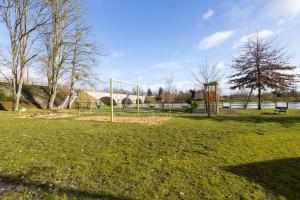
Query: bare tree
x=169 y=90
x=206 y=73
x=262 y=64
x=83 y=59
x=22 y=19
x=56 y=36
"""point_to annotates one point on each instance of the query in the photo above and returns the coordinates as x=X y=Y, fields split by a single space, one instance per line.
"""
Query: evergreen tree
x=149 y=92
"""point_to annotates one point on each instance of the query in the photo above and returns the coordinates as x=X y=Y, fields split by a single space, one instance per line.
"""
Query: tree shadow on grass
x=280 y=177
x=19 y=183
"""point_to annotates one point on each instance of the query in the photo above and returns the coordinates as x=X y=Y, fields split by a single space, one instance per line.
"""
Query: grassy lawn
x=245 y=155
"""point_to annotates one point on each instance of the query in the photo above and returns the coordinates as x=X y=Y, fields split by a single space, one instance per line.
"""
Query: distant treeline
x=181 y=97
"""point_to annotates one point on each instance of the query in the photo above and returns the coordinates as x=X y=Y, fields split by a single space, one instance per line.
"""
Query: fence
x=231 y=105
x=168 y=105
x=264 y=105
x=84 y=105
x=234 y=105
x=31 y=82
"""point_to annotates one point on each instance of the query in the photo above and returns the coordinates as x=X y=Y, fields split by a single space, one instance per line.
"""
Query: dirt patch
x=47 y=116
x=126 y=119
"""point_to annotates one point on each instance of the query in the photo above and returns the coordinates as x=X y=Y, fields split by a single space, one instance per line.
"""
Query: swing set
x=126 y=89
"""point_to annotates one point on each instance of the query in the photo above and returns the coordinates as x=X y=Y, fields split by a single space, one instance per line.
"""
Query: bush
x=193 y=104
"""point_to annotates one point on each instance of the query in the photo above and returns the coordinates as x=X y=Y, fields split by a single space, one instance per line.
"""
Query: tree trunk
x=259 y=98
x=71 y=85
x=208 y=101
x=258 y=68
x=17 y=92
x=69 y=106
x=52 y=96
x=247 y=100
x=72 y=100
x=71 y=97
x=17 y=98
x=51 y=102
x=15 y=106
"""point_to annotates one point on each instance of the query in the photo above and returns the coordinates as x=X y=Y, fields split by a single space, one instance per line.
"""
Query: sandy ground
x=126 y=119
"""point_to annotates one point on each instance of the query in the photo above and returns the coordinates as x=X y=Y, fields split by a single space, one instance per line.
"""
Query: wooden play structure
x=211 y=98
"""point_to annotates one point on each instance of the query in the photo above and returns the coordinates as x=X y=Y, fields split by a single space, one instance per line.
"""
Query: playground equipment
x=211 y=98
x=129 y=104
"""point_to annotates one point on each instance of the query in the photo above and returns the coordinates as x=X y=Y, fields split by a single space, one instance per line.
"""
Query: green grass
x=247 y=155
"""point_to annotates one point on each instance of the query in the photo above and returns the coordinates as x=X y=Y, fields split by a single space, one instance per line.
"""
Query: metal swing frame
x=112 y=81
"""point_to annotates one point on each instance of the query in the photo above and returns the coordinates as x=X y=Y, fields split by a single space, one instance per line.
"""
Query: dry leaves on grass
x=47 y=116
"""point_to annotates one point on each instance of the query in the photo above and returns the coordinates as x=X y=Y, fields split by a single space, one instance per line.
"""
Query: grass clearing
x=244 y=155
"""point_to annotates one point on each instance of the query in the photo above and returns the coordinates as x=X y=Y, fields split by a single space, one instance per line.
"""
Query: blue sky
x=149 y=40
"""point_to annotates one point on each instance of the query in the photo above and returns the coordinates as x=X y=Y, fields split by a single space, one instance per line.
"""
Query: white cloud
x=280 y=22
x=179 y=85
x=190 y=60
x=117 y=54
x=114 y=56
x=282 y=8
x=153 y=87
x=220 y=65
x=140 y=78
x=4 y=70
x=184 y=85
x=208 y=14
x=215 y=39
x=34 y=74
x=140 y=74
x=261 y=34
x=240 y=11
x=166 y=65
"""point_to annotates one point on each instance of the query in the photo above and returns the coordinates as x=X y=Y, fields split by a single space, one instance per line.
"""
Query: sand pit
x=127 y=119
x=47 y=115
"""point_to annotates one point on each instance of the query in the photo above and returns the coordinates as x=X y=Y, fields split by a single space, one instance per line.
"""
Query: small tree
x=82 y=58
x=205 y=74
x=149 y=92
x=169 y=90
x=160 y=94
x=191 y=100
x=182 y=96
x=262 y=64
